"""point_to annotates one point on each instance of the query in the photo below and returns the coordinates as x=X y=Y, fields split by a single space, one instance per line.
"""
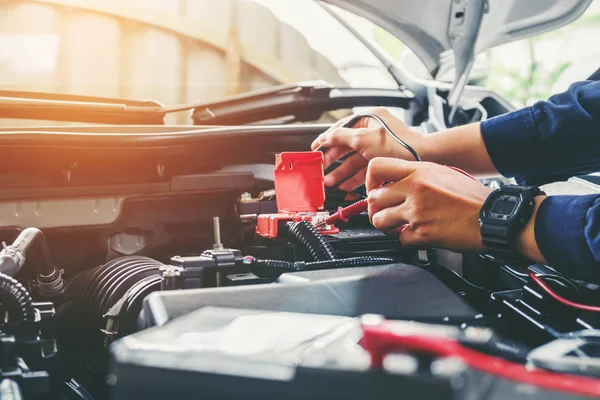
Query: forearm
x=462 y=147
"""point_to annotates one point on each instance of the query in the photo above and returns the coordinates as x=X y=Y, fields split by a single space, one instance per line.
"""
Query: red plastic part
x=300 y=191
x=344 y=214
x=299 y=182
x=379 y=340
x=267 y=225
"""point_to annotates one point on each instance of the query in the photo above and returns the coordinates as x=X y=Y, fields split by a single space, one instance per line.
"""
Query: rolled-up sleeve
x=567 y=232
x=550 y=140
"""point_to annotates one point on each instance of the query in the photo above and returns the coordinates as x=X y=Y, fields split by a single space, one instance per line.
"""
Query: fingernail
x=403 y=228
x=328 y=180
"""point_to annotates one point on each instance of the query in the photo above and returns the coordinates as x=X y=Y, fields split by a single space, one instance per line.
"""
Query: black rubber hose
x=306 y=235
x=16 y=300
x=91 y=294
x=99 y=289
x=269 y=268
x=12 y=257
x=10 y=390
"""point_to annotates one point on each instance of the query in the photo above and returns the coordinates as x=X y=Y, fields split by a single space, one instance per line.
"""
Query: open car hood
x=432 y=27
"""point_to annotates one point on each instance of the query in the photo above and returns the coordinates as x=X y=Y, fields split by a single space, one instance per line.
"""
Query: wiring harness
x=305 y=235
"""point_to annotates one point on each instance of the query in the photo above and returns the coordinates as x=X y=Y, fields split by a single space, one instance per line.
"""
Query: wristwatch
x=503 y=215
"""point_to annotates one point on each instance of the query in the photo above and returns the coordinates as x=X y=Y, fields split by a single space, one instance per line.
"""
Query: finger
x=335 y=154
x=409 y=237
x=341 y=122
x=361 y=123
x=349 y=167
x=321 y=138
x=390 y=218
x=381 y=112
x=343 y=137
x=389 y=196
x=316 y=143
x=354 y=181
x=383 y=170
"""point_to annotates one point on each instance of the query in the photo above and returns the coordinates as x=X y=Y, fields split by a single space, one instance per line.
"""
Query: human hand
x=427 y=205
x=369 y=140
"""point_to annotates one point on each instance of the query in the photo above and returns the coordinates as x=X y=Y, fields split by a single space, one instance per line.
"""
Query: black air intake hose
x=10 y=390
x=306 y=235
x=91 y=294
x=270 y=268
x=16 y=300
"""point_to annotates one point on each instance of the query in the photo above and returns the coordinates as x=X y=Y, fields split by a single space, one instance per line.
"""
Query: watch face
x=504 y=207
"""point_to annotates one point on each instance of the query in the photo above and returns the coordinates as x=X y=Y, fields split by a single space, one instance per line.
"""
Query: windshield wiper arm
x=300 y=102
x=74 y=108
x=104 y=110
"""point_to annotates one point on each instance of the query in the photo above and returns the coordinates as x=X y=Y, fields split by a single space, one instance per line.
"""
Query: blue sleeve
x=551 y=140
x=567 y=231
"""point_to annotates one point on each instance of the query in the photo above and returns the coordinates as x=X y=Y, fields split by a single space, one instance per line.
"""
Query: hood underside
x=425 y=25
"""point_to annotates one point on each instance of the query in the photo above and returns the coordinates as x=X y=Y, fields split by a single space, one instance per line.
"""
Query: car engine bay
x=146 y=260
x=223 y=284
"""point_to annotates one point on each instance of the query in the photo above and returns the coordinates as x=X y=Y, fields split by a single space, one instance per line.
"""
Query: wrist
x=443 y=147
x=428 y=148
x=526 y=243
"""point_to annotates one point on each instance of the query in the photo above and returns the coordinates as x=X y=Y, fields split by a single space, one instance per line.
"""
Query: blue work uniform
x=550 y=141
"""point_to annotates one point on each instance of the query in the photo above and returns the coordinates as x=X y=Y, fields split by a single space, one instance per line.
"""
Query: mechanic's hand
x=427 y=205
x=369 y=140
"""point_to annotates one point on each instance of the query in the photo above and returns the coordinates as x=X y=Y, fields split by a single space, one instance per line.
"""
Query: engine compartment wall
x=87 y=232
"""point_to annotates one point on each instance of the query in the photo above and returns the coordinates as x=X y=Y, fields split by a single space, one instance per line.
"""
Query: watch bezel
x=487 y=216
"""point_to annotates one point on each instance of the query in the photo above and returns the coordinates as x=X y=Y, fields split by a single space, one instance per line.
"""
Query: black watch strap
x=496 y=240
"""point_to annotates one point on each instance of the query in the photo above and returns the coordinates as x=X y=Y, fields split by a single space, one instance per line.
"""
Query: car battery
x=225 y=353
x=220 y=353
x=354 y=239
x=300 y=196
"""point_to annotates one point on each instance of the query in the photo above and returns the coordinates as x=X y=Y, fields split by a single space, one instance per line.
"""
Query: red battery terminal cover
x=299 y=190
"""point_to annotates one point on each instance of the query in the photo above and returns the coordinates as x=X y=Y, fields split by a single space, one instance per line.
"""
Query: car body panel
x=424 y=25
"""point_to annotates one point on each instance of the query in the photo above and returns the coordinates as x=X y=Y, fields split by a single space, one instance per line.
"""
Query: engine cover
x=398 y=291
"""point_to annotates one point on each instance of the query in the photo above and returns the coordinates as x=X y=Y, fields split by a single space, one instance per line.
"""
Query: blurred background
x=180 y=51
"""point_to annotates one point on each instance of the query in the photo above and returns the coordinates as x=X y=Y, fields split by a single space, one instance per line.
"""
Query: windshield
x=175 y=51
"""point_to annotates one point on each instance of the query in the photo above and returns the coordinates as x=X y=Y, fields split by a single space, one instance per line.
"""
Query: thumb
x=382 y=170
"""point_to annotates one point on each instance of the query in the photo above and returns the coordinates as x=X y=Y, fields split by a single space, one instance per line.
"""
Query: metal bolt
x=168 y=279
x=217 y=233
x=160 y=168
x=371 y=319
x=245 y=196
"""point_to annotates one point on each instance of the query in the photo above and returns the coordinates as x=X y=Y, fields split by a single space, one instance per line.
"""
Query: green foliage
x=523 y=88
x=586 y=21
x=535 y=82
x=388 y=42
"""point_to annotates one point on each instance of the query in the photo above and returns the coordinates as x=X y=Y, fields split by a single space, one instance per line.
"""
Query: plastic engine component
x=299 y=189
x=124 y=283
x=398 y=291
